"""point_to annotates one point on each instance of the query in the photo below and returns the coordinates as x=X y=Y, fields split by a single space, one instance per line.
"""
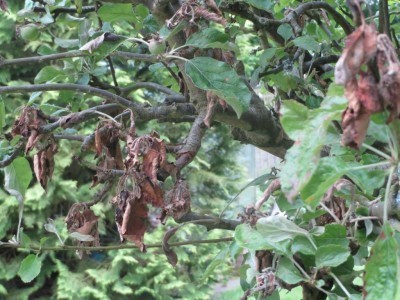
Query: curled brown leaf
x=169 y=253
x=177 y=202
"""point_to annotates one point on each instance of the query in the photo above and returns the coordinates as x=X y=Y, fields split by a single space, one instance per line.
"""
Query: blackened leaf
x=381 y=268
x=30 y=268
x=216 y=76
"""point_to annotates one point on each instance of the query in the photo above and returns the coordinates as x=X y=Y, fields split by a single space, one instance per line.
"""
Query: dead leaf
x=367 y=93
x=360 y=47
x=43 y=164
x=389 y=70
x=3 y=5
x=355 y=120
x=212 y=100
x=93 y=44
x=177 y=202
x=169 y=253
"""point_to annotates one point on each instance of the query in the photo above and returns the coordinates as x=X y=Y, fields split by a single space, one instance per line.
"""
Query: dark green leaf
x=218 y=77
x=285 y=31
x=307 y=43
x=288 y=272
x=211 y=38
x=261 y=4
x=17 y=177
x=331 y=255
x=30 y=268
x=266 y=56
x=49 y=74
x=116 y=12
x=303 y=245
x=335 y=234
x=381 y=268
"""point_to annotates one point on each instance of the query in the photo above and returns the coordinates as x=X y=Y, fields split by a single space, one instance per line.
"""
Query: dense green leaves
x=30 y=268
x=218 y=77
x=382 y=268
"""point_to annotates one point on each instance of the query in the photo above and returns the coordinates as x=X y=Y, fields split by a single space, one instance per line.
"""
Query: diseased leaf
x=382 y=268
x=331 y=255
x=216 y=76
x=288 y=272
x=111 y=12
x=30 y=268
x=307 y=43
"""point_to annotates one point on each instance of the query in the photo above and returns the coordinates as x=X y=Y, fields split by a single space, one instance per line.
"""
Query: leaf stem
x=375 y=165
x=387 y=200
x=376 y=151
x=340 y=284
x=177 y=57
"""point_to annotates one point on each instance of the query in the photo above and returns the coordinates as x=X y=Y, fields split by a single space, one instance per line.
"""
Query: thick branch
x=218 y=224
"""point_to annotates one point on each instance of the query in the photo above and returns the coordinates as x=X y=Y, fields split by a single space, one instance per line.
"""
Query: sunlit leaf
x=30 y=268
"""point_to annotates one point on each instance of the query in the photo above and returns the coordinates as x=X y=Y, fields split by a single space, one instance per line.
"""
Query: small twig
x=326 y=208
x=9 y=159
x=340 y=284
x=110 y=63
x=363 y=219
x=113 y=247
x=387 y=200
x=272 y=187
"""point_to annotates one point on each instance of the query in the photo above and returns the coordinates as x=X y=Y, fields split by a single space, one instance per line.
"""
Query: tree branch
x=218 y=224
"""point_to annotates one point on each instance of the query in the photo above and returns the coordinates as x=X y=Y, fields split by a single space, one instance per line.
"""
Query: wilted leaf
x=216 y=76
x=331 y=255
x=360 y=48
x=171 y=255
x=50 y=226
x=382 y=267
x=177 y=201
x=43 y=163
x=30 y=268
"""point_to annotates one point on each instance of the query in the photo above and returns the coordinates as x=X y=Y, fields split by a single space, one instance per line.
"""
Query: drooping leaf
x=17 y=177
x=307 y=43
x=211 y=38
x=288 y=272
x=116 y=12
x=331 y=255
x=382 y=267
x=218 y=77
x=30 y=268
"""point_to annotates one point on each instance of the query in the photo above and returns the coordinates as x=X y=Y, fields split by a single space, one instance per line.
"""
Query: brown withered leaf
x=360 y=47
x=177 y=202
x=389 y=70
x=84 y=222
x=212 y=100
x=131 y=217
x=93 y=44
x=3 y=5
x=367 y=93
x=169 y=253
x=43 y=163
x=152 y=193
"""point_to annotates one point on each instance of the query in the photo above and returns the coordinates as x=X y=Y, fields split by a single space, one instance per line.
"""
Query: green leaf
x=252 y=239
x=302 y=159
x=285 y=31
x=331 y=255
x=17 y=177
x=288 y=272
x=218 y=77
x=381 y=268
x=303 y=245
x=211 y=38
x=307 y=43
x=334 y=234
x=278 y=228
x=78 y=5
x=49 y=74
x=261 y=4
x=219 y=259
x=116 y=12
x=266 y=56
x=30 y=268
x=2 y=115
